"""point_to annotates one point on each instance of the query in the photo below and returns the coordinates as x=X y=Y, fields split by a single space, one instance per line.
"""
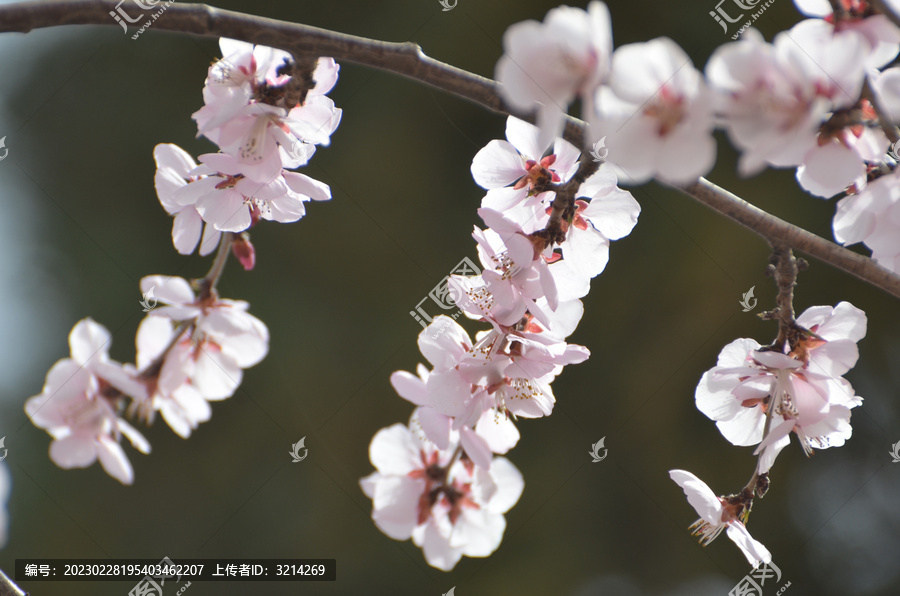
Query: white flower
x=549 y=64
x=447 y=506
x=804 y=389
x=886 y=85
x=514 y=172
x=611 y=214
x=165 y=382
x=231 y=196
x=173 y=167
x=775 y=97
x=656 y=114
x=245 y=111
x=839 y=159
x=717 y=514
x=223 y=339
x=515 y=272
x=873 y=218
x=452 y=404
x=879 y=32
x=78 y=407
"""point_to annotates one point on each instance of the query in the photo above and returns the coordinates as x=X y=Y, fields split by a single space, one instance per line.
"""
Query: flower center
x=667 y=108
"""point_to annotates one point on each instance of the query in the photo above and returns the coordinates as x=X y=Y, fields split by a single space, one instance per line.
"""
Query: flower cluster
x=529 y=293
x=760 y=395
x=188 y=353
x=799 y=389
x=796 y=102
x=266 y=123
x=437 y=496
x=266 y=113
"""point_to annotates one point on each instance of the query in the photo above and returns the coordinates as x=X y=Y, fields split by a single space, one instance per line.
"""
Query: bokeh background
x=82 y=109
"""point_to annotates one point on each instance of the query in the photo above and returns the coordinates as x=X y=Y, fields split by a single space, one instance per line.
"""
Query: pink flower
x=245 y=111
x=880 y=33
x=514 y=271
x=223 y=339
x=656 y=114
x=515 y=171
x=610 y=214
x=872 y=217
x=804 y=389
x=447 y=506
x=775 y=97
x=165 y=382
x=230 y=199
x=452 y=405
x=717 y=514
x=549 y=64
x=78 y=407
x=173 y=171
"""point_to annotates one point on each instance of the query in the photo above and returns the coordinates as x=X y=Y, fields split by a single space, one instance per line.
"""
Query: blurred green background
x=82 y=109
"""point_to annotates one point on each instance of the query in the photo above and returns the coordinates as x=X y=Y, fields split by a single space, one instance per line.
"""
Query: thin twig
x=8 y=587
x=408 y=60
x=207 y=285
x=563 y=206
x=838 y=9
x=785 y=274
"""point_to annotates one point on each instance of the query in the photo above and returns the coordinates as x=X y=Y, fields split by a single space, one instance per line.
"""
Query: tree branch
x=405 y=59
x=781 y=233
x=408 y=60
x=8 y=587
